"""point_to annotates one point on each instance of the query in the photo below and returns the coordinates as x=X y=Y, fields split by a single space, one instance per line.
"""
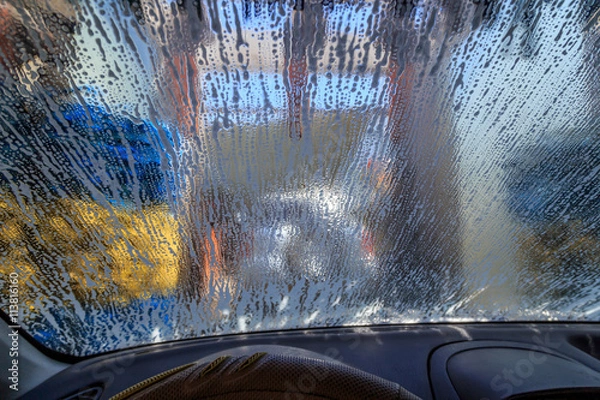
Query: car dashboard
x=431 y=361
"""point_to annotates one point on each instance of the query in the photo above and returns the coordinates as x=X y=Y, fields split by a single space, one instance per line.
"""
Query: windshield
x=178 y=169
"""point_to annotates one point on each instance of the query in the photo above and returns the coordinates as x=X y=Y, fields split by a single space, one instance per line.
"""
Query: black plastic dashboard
x=441 y=361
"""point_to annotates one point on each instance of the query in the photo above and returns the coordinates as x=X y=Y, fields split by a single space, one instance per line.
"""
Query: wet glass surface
x=171 y=170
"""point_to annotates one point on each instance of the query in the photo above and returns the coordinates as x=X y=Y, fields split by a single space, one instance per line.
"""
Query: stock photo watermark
x=515 y=375
x=13 y=315
x=307 y=382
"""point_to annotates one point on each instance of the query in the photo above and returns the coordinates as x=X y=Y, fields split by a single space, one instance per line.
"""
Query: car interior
x=427 y=361
x=300 y=199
